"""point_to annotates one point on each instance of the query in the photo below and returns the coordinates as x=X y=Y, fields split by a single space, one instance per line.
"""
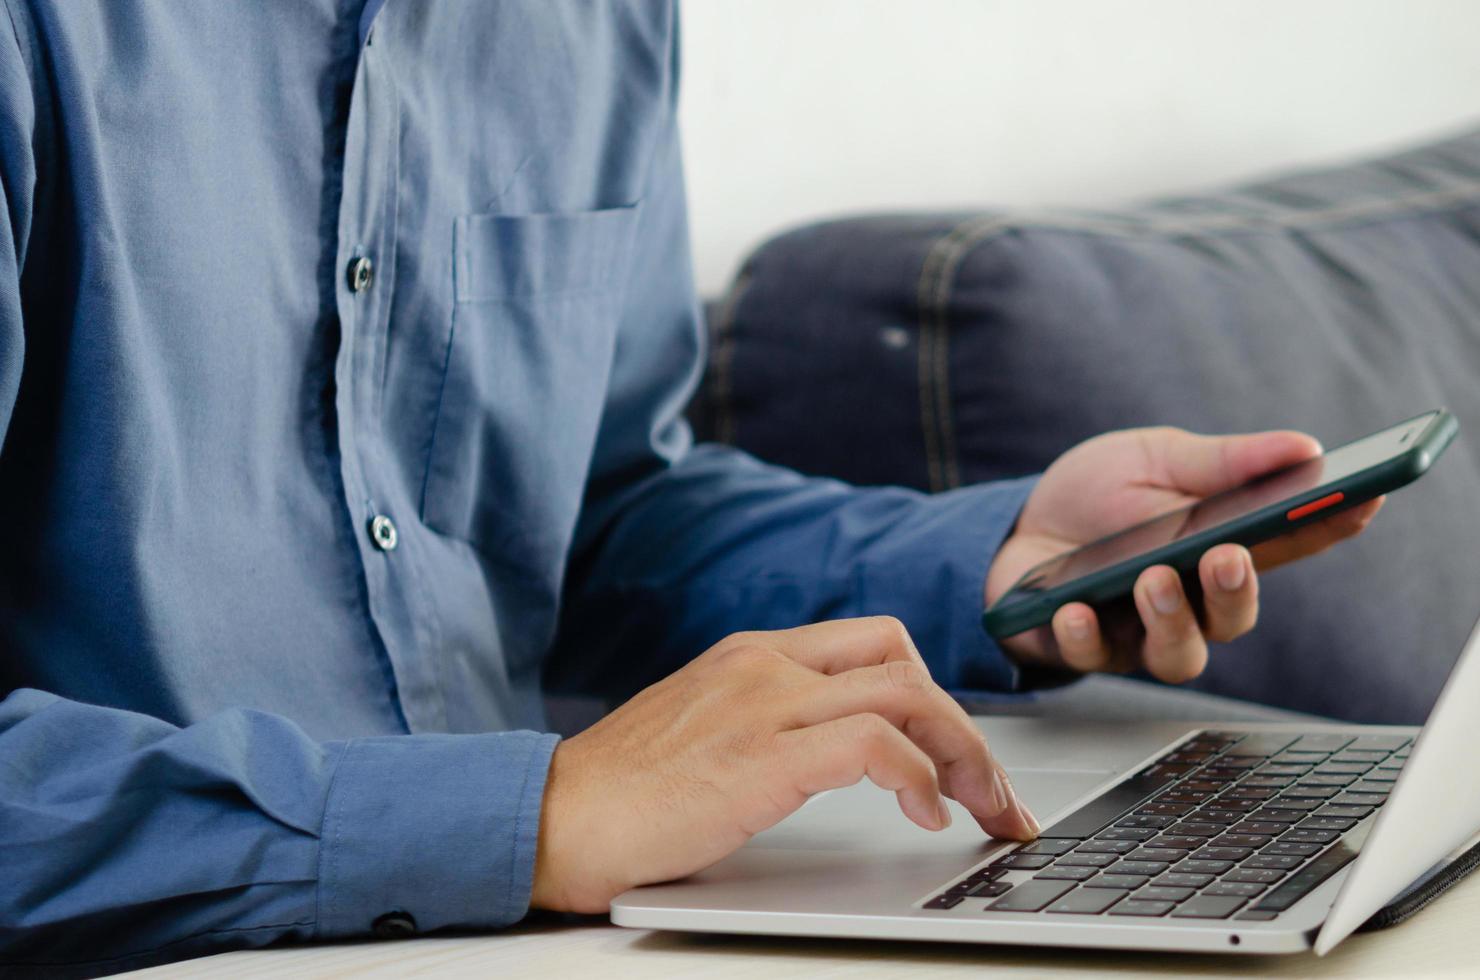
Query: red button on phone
x=1305 y=510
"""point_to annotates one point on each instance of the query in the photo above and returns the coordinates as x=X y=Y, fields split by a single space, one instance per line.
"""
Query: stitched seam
x=518 y=827
x=330 y=860
x=722 y=362
x=936 y=273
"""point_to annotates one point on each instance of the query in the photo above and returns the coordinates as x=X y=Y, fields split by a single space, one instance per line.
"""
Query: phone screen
x=1221 y=508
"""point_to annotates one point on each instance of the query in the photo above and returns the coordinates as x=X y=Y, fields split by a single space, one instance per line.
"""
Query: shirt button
x=361 y=273
x=383 y=532
x=394 y=925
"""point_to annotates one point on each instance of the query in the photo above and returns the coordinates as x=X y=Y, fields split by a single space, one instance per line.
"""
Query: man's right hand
x=694 y=766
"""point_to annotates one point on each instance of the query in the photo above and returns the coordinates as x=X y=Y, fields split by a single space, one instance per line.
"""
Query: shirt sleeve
x=680 y=545
x=128 y=840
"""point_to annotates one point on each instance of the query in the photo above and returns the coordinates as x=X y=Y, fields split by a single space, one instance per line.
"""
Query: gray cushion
x=934 y=350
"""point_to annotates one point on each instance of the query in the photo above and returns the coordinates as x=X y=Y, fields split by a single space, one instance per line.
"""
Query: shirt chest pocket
x=534 y=325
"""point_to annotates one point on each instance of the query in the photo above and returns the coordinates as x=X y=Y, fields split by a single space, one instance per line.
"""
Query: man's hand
x=697 y=764
x=1121 y=478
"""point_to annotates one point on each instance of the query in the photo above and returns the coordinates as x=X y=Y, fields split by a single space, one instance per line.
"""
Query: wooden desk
x=1438 y=942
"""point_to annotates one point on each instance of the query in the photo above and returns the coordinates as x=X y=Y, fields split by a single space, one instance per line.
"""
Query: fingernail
x=1000 y=798
x=1230 y=574
x=945 y=813
x=1079 y=628
x=1164 y=597
x=1022 y=807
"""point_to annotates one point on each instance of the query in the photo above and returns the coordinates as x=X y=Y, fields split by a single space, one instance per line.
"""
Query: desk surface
x=1438 y=942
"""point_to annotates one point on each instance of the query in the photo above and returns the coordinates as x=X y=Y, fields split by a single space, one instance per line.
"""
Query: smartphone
x=1265 y=508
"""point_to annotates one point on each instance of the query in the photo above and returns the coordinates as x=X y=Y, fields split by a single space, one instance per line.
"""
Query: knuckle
x=747 y=653
x=873 y=731
x=894 y=632
x=906 y=675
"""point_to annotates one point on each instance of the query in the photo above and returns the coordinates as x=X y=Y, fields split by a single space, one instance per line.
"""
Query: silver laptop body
x=848 y=864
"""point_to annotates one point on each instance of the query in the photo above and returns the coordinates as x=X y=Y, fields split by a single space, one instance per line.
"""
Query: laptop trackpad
x=866 y=816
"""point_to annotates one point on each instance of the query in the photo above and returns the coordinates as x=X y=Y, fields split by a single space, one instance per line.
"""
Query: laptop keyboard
x=1226 y=824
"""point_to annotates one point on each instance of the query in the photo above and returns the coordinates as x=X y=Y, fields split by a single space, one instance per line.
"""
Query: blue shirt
x=283 y=285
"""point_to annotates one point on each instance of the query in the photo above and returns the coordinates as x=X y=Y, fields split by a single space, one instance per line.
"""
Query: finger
x=843 y=751
x=1314 y=538
x=903 y=693
x=1230 y=592
x=1201 y=465
x=1076 y=633
x=846 y=644
x=1174 y=650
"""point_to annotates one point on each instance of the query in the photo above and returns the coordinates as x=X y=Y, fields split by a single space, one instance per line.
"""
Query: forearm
x=720 y=542
x=128 y=840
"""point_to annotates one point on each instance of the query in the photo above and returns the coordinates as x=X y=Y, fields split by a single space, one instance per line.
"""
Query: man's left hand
x=1122 y=478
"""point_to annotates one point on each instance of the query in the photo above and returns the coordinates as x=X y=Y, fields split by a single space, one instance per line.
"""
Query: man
x=343 y=346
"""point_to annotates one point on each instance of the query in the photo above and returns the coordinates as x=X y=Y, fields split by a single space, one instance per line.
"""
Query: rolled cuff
x=440 y=829
x=935 y=581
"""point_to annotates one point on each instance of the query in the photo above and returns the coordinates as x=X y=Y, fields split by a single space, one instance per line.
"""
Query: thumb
x=1201 y=465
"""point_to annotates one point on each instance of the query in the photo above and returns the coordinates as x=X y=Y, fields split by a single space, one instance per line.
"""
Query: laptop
x=1257 y=838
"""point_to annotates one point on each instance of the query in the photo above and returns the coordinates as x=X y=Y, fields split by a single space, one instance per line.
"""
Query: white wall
x=795 y=109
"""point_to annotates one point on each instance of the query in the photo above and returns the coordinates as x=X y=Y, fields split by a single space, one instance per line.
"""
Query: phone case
x=1004 y=620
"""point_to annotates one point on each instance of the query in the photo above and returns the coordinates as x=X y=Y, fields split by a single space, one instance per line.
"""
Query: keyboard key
x=1146 y=820
x=1180 y=843
x=1170 y=855
x=1321 y=743
x=1231 y=801
x=1299 y=884
x=1086 y=859
x=1107 y=846
x=1237 y=762
x=1301 y=758
x=988 y=874
x=1263 y=743
x=1298 y=836
x=1057 y=873
x=1179 y=879
x=1342 y=824
x=1024 y=862
x=1200 y=786
x=1257 y=876
x=1205 y=867
x=1291 y=849
x=1161 y=893
x=1343 y=768
x=1208 y=907
x=1256 y=793
x=1222 y=817
x=1379 y=743
x=1189 y=796
x=1126 y=833
x=1352 y=755
x=1232 y=854
x=1272 y=782
x=1147 y=868
x=1197 y=828
x=1165 y=809
x=1304 y=790
x=1327 y=779
x=1382 y=774
x=1124 y=882
x=1241 y=889
x=1087 y=901
x=1242 y=840
x=1288 y=802
x=1284 y=769
x=944 y=902
x=1189 y=755
x=1134 y=906
x=1274 y=862
x=1360 y=799
x=1047 y=847
x=1264 y=827
x=1253 y=915
x=1279 y=815
x=1341 y=810
x=990 y=889
x=1372 y=786
x=1030 y=896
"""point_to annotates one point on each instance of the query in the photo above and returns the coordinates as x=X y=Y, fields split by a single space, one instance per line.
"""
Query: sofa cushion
x=939 y=349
